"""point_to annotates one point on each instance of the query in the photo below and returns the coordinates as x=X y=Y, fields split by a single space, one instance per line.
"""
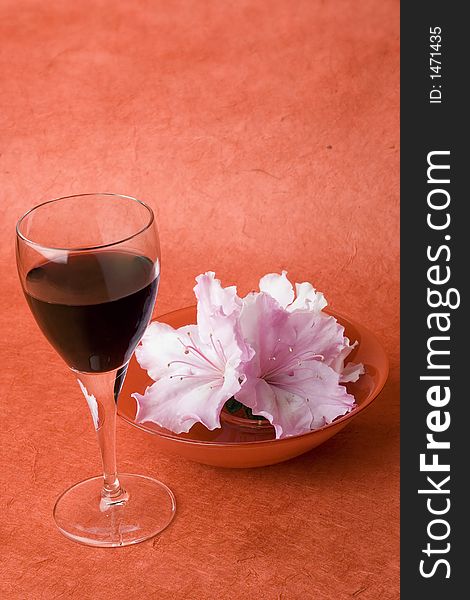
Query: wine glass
x=89 y=266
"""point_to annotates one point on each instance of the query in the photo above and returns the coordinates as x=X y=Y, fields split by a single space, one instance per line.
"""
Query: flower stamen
x=295 y=360
x=197 y=353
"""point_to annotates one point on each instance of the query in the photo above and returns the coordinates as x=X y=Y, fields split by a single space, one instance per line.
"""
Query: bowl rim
x=341 y=421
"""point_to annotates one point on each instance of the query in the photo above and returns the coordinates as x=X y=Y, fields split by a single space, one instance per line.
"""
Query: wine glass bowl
x=89 y=266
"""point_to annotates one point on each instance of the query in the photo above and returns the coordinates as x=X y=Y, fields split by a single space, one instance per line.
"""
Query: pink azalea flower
x=308 y=299
x=196 y=368
x=288 y=380
x=275 y=351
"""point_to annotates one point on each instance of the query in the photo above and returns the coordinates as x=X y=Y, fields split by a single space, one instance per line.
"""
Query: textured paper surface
x=265 y=136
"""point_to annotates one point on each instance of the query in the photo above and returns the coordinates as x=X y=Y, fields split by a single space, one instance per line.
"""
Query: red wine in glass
x=94 y=307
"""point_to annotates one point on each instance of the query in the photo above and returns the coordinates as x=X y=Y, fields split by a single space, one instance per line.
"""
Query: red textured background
x=265 y=136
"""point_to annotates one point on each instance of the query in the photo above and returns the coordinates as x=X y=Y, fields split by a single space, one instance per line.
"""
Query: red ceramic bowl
x=240 y=443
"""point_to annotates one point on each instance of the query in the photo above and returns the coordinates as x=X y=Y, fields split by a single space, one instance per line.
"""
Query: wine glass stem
x=99 y=391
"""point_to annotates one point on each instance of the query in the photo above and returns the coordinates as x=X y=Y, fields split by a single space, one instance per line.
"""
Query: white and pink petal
x=288 y=413
x=161 y=344
x=350 y=372
x=278 y=287
x=178 y=403
x=214 y=300
x=307 y=298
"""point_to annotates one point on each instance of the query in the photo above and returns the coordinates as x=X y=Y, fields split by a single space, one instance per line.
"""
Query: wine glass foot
x=80 y=514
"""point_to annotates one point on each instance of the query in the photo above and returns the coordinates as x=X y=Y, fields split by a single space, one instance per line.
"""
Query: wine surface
x=95 y=307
